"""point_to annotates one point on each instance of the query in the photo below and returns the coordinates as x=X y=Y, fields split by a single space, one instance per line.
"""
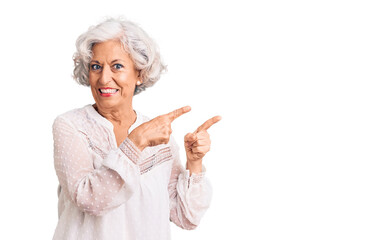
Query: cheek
x=127 y=82
x=92 y=79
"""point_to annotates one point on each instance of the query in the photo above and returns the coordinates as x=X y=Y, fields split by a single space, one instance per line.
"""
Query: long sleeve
x=94 y=190
x=190 y=196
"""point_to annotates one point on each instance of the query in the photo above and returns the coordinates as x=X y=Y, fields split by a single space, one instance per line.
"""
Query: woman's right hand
x=156 y=131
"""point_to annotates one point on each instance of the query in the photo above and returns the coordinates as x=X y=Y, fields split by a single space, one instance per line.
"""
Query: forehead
x=111 y=49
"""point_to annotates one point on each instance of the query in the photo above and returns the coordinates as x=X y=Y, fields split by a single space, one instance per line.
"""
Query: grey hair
x=141 y=48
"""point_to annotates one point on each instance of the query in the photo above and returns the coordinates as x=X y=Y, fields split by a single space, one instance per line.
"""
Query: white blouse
x=110 y=192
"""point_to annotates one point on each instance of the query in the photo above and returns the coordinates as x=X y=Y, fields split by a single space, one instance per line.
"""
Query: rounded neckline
x=107 y=123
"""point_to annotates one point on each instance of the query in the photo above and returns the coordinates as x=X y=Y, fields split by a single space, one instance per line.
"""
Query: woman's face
x=112 y=75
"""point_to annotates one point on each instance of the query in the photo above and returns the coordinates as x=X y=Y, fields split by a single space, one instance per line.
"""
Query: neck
x=118 y=116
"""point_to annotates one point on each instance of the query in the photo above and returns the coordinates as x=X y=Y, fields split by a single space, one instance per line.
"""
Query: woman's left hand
x=197 y=144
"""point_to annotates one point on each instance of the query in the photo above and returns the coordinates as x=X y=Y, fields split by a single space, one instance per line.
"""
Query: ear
x=139 y=79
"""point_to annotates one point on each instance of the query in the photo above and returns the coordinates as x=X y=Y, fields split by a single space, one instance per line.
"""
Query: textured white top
x=110 y=192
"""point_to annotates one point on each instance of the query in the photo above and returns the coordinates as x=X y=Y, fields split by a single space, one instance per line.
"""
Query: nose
x=106 y=75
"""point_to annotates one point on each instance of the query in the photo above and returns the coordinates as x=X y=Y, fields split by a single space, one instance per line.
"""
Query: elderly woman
x=120 y=174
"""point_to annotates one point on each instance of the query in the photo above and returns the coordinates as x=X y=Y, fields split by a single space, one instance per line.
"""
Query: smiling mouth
x=108 y=91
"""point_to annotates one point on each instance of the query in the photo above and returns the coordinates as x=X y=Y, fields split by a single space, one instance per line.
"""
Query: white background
x=302 y=151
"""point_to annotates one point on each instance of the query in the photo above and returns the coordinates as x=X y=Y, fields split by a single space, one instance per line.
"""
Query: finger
x=201 y=143
x=202 y=135
x=178 y=112
x=190 y=138
x=201 y=149
x=206 y=125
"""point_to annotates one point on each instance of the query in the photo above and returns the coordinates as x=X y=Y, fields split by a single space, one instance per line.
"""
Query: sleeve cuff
x=195 y=178
x=130 y=150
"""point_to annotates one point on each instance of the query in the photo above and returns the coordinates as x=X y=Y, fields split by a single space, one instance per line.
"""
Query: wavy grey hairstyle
x=141 y=48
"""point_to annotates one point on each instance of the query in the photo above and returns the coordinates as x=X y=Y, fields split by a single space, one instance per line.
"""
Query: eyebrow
x=115 y=60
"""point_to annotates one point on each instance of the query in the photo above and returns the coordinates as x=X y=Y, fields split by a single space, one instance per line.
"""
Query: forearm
x=190 y=198
x=93 y=190
x=194 y=166
x=99 y=190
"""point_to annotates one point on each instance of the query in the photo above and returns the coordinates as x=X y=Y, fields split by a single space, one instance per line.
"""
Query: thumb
x=190 y=138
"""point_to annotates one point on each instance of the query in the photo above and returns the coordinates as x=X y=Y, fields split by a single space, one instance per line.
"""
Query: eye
x=118 y=66
x=95 y=67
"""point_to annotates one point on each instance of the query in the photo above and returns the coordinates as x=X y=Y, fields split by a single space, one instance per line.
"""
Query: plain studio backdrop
x=302 y=151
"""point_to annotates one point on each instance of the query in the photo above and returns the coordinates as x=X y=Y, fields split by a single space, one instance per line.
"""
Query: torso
x=148 y=204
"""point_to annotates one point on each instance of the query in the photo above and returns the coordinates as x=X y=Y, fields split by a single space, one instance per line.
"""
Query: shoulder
x=71 y=117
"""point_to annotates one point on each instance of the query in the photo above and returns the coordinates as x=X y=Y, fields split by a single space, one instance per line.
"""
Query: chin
x=106 y=103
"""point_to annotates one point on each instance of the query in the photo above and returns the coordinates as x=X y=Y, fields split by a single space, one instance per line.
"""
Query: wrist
x=137 y=140
x=194 y=166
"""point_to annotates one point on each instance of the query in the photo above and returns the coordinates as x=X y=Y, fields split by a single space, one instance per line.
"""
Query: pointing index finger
x=206 y=125
x=178 y=112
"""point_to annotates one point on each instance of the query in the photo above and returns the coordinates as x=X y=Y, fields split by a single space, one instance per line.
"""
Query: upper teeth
x=108 y=90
